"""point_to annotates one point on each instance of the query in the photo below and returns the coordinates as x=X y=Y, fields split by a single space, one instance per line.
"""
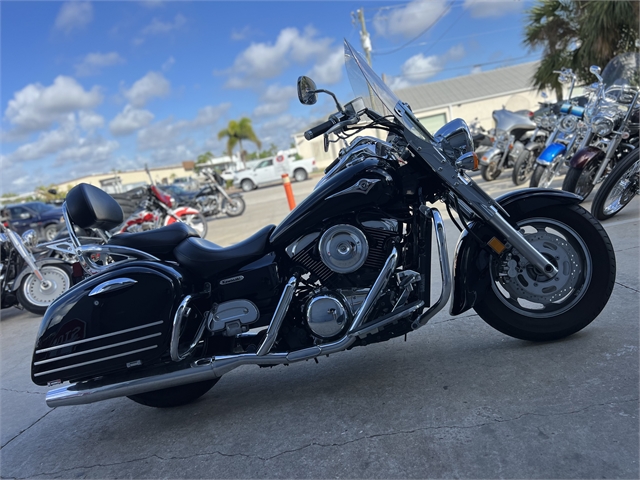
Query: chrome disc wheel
x=42 y=294
x=526 y=290
x=197 y=222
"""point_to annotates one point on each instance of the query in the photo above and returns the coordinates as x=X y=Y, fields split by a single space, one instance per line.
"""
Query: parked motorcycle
x=212 y=199
x=481 y=138
x=27 y=280
x=613 y=122
x=349 y=266
x=619 y=188
x=567 y=133
x=155 y=210
x=525 y=163
x=512 y=130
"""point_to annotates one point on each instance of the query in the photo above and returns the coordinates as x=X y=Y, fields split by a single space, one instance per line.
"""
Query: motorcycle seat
x=205 y=258
x=159 y=242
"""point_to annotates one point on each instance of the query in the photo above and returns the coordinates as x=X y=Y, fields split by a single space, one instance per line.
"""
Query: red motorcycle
x=156 y=210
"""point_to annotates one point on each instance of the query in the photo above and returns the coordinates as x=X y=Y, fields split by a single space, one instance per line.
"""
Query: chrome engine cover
x=343 y=248
x=327 y=315
x=230 y=317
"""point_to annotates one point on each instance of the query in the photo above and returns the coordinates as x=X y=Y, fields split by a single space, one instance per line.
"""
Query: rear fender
x=471 y=259
x=586 y=155
x=550 y=153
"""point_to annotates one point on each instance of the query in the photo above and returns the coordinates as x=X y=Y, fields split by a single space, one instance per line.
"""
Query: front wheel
x=197 y=221
x=490 y=172
x=542 y=176
x=521 y=302
x=523 y=168
x=619 y=188
x=579 y=181
x=235 y=207
x=36 y=296
x=174 y=396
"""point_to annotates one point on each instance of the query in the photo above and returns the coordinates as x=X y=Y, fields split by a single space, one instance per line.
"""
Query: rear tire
x=300 y=175
x=174 y=396
x=235 y=208
x=247 y=185
x=619 y=188
x=527 y=305
x=490 y=172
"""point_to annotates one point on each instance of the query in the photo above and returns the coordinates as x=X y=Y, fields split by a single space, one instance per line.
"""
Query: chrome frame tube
x=278 y=316
x=445 y=269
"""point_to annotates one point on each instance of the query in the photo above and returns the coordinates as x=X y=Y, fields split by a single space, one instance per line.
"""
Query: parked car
x=188 y=183
x=270 y=170
x=45 y=219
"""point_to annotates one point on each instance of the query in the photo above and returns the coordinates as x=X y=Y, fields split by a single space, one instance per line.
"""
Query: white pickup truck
x=270 y=171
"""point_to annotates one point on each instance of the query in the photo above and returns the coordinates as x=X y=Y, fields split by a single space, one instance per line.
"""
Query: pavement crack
x=21 y=391
x=22 y=431
x=625 y=286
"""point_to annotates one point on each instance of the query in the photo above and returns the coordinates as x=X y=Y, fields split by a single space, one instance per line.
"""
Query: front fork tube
x=611 y=148
x=489 y=211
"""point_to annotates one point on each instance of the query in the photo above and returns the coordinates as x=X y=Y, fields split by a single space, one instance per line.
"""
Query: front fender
x=179 y=212
x=27 y=270
x=550 y=153
x=472 y=258
x=487 y=156
x=584 y=156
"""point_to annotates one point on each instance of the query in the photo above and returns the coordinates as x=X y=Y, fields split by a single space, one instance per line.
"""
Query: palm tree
x=236 y=132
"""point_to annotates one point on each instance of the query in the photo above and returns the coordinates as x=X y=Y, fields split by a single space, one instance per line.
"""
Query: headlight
x=602 y=126
x=30 y=238
x=568 y=124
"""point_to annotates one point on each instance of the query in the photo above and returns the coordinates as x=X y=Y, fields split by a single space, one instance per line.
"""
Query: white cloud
x=280 y=130
x=89 y=121
x=242 y=34
x=266 y=60
x=410 y=20
x=275 y=100
x=74 y=16
x=88 y=152
x=209 y=115
x=48 y=143
x=160 y=135
x=329 y=69
x=158 y=27
x=492 y=8
x=166 y=66
x=153 y=84
x=130 y=120
x=419 y=68
x=93 y=62
x=36 y=107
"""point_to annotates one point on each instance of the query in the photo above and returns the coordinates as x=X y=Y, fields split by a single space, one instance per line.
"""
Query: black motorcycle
x=30 y=277
x=619 y=188
x=350 y=266
x=212 y=199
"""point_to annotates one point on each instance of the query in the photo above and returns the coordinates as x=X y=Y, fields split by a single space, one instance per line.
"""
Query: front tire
x=235 y=207
x=490 y=172
x=521 y=302
x=36 y=296
x=580 y=181
x=542 y=176
x=523 y=168
x=619 y=188
x=174 y=396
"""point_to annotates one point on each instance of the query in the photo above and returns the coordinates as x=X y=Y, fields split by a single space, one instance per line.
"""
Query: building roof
x=468 y=88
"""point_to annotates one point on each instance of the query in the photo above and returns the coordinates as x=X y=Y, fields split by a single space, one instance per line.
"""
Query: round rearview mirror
x=594 y=69
x=307 y=91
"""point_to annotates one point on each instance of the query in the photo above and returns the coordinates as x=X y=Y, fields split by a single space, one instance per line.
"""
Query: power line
x=444 y=12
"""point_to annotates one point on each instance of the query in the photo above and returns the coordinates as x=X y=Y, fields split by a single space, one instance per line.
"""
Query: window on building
x=433 y=122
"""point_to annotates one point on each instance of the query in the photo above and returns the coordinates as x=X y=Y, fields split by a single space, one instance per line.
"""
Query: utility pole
x=364 y=36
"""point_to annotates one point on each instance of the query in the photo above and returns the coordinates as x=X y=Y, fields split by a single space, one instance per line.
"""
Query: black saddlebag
x=110 y=323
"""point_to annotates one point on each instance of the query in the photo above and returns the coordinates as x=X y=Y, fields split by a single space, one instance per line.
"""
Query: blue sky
x=92 y=87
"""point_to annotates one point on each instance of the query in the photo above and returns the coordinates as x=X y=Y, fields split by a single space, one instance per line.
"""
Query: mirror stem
x=334 y=98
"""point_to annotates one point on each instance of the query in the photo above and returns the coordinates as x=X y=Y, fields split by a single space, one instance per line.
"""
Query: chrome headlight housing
x=602 y=125
x=568 y=124
x=30 y=239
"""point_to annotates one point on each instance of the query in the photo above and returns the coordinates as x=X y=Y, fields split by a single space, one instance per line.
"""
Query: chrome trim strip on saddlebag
x=112 y=285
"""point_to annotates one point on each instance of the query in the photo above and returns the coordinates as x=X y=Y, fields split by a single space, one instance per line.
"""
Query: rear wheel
x=490 y=172
x=521 y=302
x=300 y=175
x=50 y=232
x=197 y=221
x=36 y=296
x=174 y=396
x=619 y=188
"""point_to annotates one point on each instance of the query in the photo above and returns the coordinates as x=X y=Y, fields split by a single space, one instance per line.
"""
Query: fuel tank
x=109 y=323
x=365 y=183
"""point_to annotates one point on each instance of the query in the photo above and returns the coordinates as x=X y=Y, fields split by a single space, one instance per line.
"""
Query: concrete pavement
x=456 y=400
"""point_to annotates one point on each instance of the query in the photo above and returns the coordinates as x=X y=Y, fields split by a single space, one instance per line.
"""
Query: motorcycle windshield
x=376 y=94
x=623 y=69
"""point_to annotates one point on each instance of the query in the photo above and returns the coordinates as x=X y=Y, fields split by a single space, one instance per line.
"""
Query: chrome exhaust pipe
x=215 y=367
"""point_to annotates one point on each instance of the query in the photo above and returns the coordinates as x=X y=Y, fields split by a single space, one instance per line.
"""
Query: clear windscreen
x=376 y=94
x=623 y=69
